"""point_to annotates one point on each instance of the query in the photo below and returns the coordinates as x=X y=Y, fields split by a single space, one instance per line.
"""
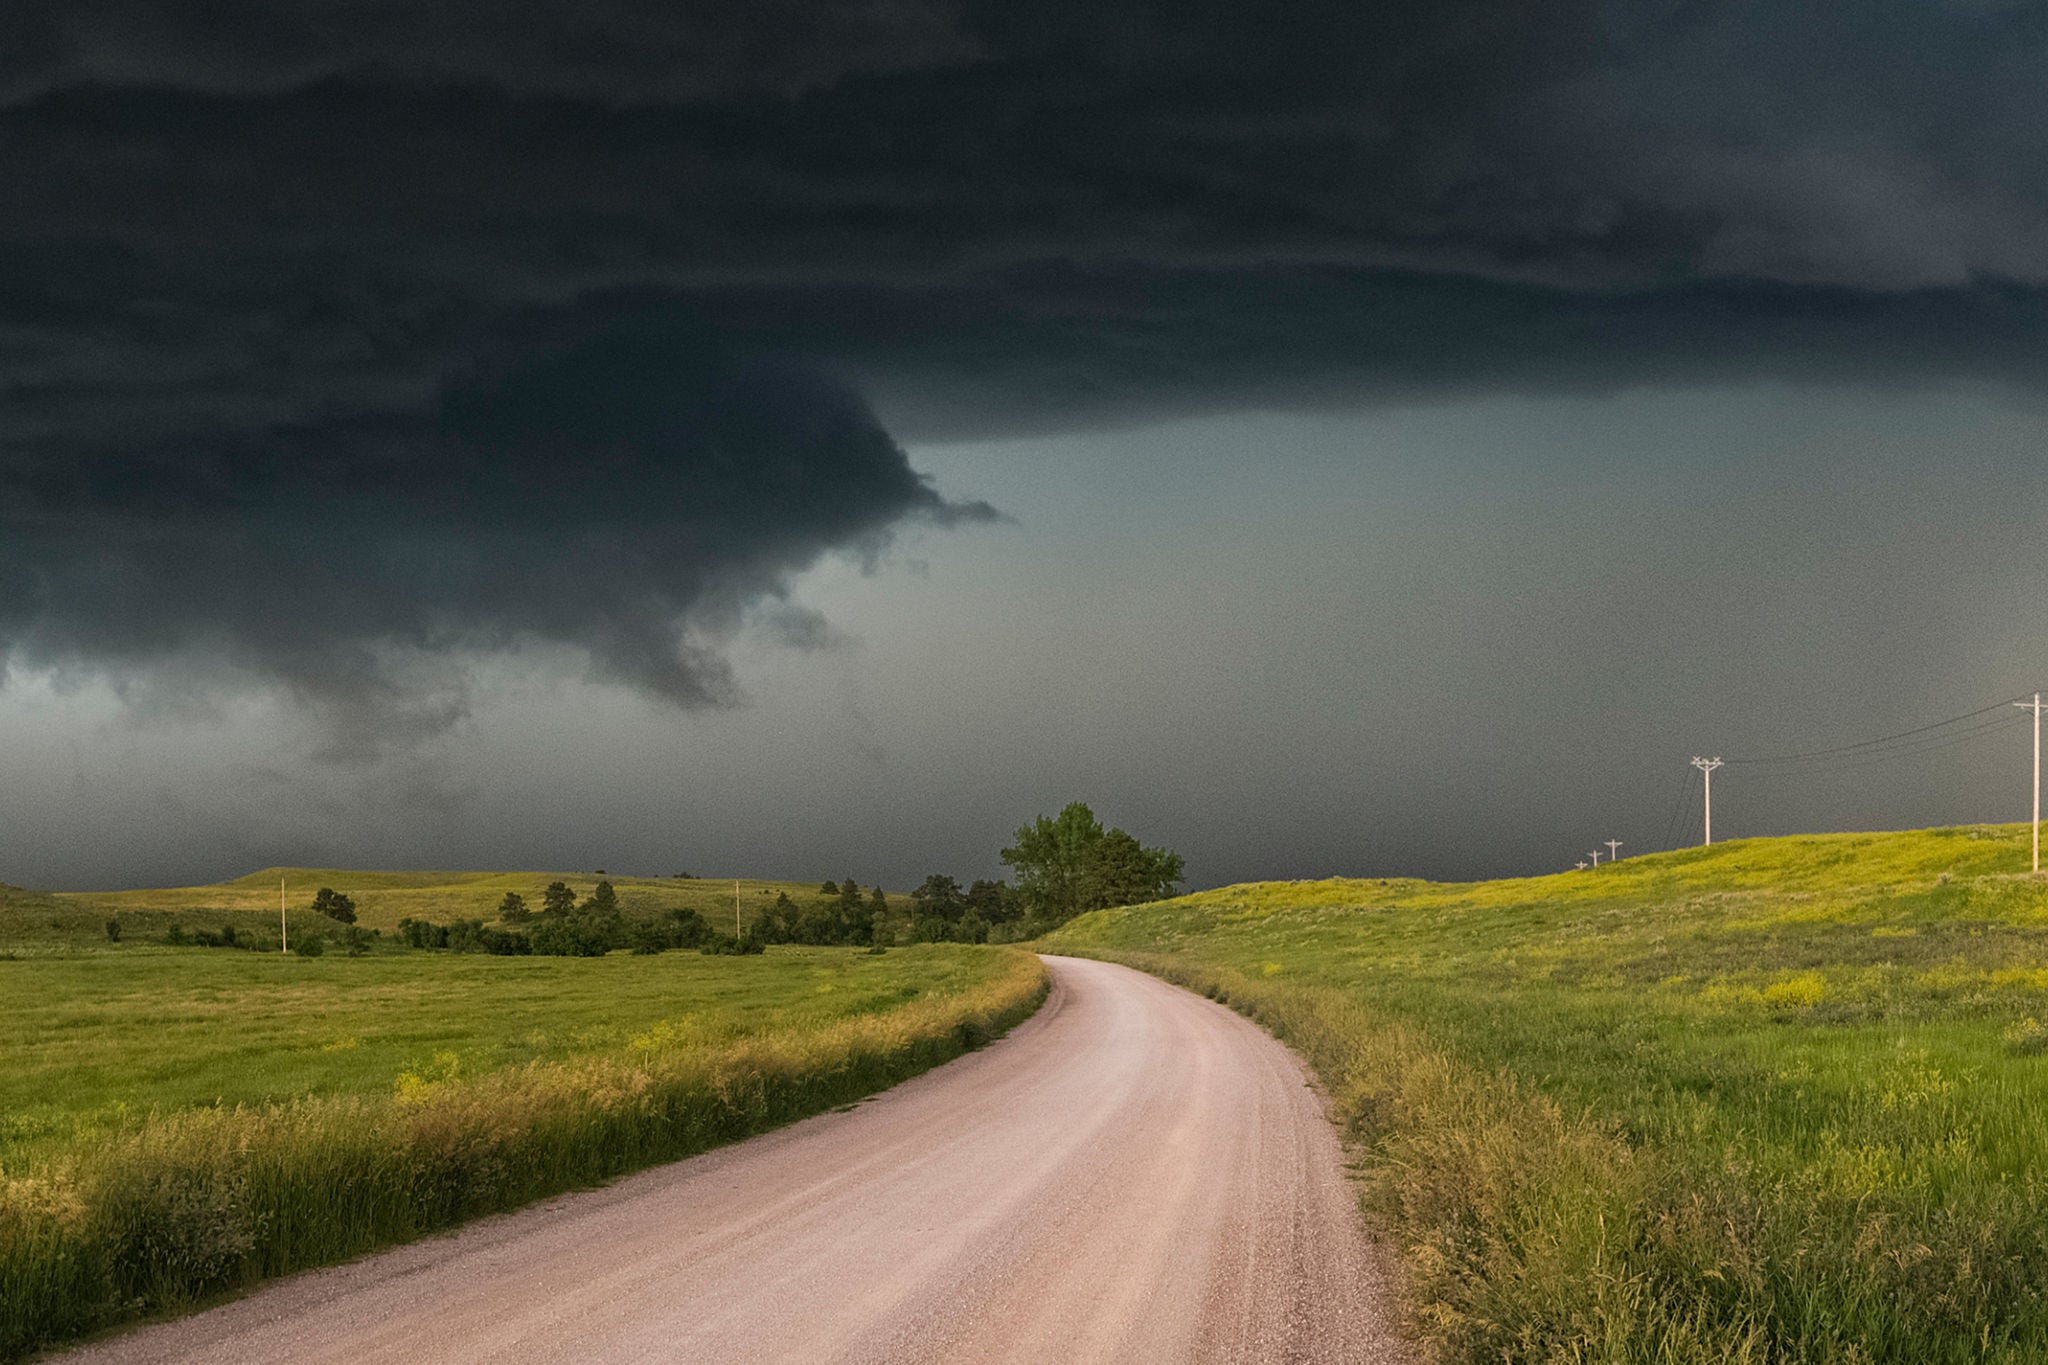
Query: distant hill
x=384 y=898
x=33 y=921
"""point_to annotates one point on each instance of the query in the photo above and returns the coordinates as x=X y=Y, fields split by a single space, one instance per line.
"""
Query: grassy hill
x=1778 y=1100
x=35 y=923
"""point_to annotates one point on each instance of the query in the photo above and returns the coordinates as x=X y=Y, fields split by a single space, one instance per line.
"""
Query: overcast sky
x=808 y=439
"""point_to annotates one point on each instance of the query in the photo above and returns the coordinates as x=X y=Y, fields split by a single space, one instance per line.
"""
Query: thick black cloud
x=253 y=255
x=627 y=495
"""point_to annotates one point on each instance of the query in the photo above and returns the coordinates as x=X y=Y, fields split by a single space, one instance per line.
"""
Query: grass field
x=181 y=1122
x=1778 y=1100
x=98 y=1042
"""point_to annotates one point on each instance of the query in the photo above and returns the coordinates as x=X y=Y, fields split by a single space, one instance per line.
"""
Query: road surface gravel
x=1134 y=1175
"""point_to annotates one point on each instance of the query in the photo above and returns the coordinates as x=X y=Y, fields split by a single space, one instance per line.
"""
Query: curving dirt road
x=1135 y=1175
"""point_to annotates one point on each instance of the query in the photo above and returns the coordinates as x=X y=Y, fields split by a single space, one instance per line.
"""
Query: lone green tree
x=558 y=899
x=1069 y=864
x=512 y=909
x=331 y=903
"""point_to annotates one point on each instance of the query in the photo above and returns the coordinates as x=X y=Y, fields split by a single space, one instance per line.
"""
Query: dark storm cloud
x=627 y=495
x=252 y=253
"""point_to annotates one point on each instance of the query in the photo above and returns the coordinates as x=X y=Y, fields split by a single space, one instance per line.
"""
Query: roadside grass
x=197 y=1122
x=1778 y=1100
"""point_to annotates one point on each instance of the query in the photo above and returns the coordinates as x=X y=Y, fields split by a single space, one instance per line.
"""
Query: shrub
x=569 y=936
x=113 y=931
x=175 y=936
x=512 y=909
x=558 y=899
x=500 y=943
x=466 y=936
x=355 y=940
x=725 y=945
x=419 y=933
x=309 y=945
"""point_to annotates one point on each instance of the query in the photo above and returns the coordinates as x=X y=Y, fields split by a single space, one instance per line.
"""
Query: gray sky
x=814 y=438
x=1451 y=640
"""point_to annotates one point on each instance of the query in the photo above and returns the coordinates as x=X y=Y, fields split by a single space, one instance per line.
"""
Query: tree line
x=1064 y=865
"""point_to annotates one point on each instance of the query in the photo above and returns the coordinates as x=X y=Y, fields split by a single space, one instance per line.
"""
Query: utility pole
x=1595 y=856
x=1706 y=767
x=284 y=933
x=2035 y=707
x=1580 y=864
x=1613 y=850
x=736 y=909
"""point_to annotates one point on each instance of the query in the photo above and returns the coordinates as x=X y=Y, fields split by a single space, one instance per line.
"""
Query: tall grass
x=1773 y=1104
x=1534 y=1232
x=211 y=1200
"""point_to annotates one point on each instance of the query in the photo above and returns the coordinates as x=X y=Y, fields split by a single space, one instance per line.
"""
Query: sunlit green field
x=180 y=1121
x=1779 y=1100
x=104 y=1039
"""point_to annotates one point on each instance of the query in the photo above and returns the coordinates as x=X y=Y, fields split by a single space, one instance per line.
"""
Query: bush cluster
x=566 y=927
x=676 y=928
x=839 y=914
x=178 y=936
x=462 y=936
x=726 y=945
x=943 y=913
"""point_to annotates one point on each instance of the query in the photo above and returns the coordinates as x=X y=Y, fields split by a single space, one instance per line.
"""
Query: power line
x=1998 y=705
x=1855 y=762
x=1671 y=825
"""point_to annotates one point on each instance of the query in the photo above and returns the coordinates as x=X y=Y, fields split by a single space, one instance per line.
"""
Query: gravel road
x=1136 y=1175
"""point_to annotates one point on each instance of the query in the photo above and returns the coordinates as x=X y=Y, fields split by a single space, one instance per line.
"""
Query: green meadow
x=1777 y=1100
x=182 y=1122
x=100 y=1042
